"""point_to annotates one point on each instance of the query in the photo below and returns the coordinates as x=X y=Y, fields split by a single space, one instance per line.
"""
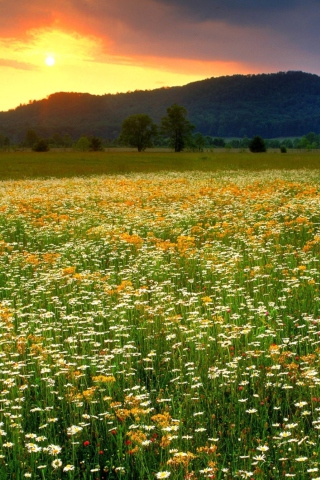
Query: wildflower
x=290 y=425
x=259 y=458
x=164 y=474
x=284 y=434
x=54 y=449
x=73 y=430
x=33 y=447
x=245 y=474
x=68 y=468
x=263 y=448
x=57 y=463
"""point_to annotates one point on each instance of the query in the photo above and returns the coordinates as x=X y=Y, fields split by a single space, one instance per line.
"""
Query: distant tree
x=209 y=141
x=31 y=138
x=138 y=131
x=95 y=144
x=312 y=138
x=304 y=143
x=273 y=143
x=83 y=144
x=288 y=143
x=198 y=141
x=245 y=142
x=41 y=145
x=6 y=143
x=257 y=145
x=309 y=141
x=218 y=142
x=56 y=140
x=176 y=127
x=235 y=143
x=67 y=140
x=296 y=142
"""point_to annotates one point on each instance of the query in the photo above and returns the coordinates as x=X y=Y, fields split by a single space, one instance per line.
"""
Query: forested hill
x=271 y=105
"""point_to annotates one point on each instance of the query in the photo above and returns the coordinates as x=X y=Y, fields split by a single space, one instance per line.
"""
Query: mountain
x=271 y=105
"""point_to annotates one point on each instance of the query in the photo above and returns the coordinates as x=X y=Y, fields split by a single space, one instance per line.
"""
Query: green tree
x=245 y=142
x=304 y=143
x=138 y=131
x=176 y=127
x=56 y=140
x=312 y=138
x=95 y=144
x=83 y=144
x=6 y=143
x=218 y=142
x=288 y=143
x=67 y=140
x=199 y=141
x=41 y=145
x=257 y=144
x=31 y=138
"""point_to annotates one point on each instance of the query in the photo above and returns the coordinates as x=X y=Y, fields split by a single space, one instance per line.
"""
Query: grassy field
x=18 y=165
x=160 y=325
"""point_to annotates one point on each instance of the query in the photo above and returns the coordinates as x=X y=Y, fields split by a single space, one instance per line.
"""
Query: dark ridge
x=273 y=105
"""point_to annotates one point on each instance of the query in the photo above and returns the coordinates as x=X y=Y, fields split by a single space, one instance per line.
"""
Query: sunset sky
x=109 y=46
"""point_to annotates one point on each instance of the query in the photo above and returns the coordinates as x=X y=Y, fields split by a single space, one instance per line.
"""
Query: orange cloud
x=103 y=46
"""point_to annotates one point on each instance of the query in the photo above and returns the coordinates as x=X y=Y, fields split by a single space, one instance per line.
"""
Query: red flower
x=86 y=443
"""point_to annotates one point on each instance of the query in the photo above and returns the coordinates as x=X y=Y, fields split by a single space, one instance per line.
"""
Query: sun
x=50 y=61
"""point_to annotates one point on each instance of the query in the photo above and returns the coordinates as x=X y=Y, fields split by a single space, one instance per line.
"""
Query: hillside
x=270 y=105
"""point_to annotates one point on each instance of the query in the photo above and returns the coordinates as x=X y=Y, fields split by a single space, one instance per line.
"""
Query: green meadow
x=26 y=164
x=159 y=316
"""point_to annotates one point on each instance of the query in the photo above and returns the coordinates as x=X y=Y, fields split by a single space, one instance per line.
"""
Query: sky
x=110 y=46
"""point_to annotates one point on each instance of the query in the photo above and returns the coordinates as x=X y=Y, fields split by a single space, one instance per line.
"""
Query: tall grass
x=19 y=165
x=160 y=325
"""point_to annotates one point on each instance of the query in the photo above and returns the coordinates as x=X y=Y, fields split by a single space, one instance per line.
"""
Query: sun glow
x=50 y=61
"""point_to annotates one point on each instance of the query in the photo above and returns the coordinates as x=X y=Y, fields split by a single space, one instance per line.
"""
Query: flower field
x=160 y=325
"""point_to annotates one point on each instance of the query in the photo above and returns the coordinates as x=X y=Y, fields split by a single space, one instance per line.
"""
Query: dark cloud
x=237 y=11
x=279 y=34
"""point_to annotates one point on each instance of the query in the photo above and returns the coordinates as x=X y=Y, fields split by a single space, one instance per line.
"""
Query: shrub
x=95 y=144
x=257 y=144
x=41 y=145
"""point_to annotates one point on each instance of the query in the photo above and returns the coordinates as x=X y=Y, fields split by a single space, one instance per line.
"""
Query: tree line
x=175 y=131
x=284 y=104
